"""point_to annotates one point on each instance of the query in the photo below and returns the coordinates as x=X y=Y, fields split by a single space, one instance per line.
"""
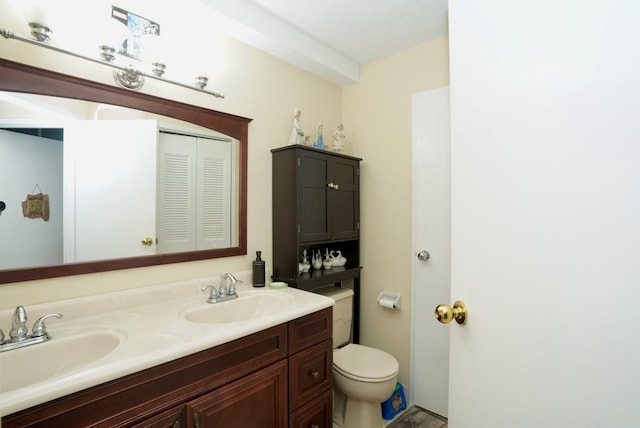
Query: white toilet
x=365 y=376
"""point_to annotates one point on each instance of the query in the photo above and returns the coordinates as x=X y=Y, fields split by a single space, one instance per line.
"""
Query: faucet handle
x=19 y=331
x=39 y=329
x=214 y=293
x=223 y=284
x=232 y=286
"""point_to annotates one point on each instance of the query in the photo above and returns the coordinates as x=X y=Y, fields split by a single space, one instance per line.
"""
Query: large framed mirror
x=23 y=79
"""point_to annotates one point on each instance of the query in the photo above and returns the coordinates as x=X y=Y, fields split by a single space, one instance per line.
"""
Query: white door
x=214 y=184
x=195 y=181
x=431 y=278
x=110 y=188
x=177 y=161
x=545 y=147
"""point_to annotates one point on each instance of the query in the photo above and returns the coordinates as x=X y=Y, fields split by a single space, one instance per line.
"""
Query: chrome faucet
x=223 y=293
x=19 y=334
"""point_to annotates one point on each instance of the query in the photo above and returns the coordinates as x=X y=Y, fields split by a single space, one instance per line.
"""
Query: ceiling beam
x=256 y=27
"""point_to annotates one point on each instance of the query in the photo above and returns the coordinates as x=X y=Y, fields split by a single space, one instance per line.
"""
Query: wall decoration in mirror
x=133 y=180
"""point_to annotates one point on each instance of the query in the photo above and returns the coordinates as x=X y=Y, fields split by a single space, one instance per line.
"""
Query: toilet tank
x=342 y=312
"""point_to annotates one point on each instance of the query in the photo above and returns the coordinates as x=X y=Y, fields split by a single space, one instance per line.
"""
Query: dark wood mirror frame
x=27 y=79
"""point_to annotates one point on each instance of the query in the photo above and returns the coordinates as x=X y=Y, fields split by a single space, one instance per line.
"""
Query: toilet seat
x=365 y=364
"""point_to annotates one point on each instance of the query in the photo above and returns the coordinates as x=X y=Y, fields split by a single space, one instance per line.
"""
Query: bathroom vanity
x=278 y=374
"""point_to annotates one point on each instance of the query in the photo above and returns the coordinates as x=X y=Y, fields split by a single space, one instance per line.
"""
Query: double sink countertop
x=107 y=336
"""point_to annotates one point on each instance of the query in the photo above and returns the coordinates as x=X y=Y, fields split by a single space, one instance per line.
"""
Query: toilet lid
x=363 y=363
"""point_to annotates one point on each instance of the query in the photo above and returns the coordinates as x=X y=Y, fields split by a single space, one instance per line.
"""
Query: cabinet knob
x=333 y=186
x=314 y=374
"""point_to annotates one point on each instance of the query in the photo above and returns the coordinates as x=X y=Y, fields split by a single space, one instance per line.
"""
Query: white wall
x=25 y=161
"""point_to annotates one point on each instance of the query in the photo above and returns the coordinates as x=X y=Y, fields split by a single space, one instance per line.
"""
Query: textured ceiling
x=363 y=30
x=333 y=38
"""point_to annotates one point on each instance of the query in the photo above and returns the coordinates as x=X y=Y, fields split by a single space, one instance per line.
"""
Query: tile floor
x=415 y=417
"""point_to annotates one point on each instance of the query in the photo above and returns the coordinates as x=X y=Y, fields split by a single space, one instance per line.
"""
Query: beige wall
x=256 y=85
x=376 y=113
x=377 y=119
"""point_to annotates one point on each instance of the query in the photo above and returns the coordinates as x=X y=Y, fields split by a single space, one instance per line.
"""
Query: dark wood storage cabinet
x=273 y=378
x=316 y=206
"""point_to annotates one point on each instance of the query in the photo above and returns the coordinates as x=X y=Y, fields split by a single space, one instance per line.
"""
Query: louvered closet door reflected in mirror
x=195 y=184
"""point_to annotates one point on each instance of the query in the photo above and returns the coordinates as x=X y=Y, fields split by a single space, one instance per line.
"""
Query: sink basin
x=243 y=308
x=35 y=363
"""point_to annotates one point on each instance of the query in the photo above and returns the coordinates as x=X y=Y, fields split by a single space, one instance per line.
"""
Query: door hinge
x=298 y=160
x=358 y=226
x=298 y=228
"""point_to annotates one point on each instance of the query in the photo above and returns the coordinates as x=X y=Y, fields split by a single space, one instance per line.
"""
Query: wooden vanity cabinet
x=243 y=383
x=311 y=370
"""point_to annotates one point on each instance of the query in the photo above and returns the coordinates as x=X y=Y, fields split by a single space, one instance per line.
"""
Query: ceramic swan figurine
x=305 y=262
x=317 y=260
x=340 y=260
x=328 y=260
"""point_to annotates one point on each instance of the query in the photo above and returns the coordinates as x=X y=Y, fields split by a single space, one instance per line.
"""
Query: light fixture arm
x=124 y=73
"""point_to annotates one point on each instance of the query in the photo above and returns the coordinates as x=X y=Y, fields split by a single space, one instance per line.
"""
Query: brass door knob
x=445 y=313
x=147 y=242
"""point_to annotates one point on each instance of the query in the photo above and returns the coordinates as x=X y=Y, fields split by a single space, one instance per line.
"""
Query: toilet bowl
x=365 y=376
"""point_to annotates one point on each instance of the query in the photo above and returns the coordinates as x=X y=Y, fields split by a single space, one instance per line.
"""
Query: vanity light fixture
x=128 y=77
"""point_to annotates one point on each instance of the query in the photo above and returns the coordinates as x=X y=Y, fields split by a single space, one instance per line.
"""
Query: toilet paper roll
x=389 y=299
x=387 y=303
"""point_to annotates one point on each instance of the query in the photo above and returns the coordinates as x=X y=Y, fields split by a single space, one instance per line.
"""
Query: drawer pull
x=314 y=374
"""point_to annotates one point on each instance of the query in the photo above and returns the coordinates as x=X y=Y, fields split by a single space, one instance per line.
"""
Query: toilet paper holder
x=389 y=299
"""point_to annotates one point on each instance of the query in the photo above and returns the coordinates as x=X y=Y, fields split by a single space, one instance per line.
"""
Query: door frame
x=430 y=124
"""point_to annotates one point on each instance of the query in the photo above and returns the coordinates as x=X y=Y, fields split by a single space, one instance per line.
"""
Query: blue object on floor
x=395 y=404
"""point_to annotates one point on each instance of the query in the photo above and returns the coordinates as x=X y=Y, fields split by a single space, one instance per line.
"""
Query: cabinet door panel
x=257 y=400
x=344 y=221
x=313 y=219
x=344 y=202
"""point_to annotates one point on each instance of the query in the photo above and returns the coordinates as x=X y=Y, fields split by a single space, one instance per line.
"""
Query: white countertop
x=152 y=330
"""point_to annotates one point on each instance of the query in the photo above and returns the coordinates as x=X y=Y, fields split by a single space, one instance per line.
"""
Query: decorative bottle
x=258 y=271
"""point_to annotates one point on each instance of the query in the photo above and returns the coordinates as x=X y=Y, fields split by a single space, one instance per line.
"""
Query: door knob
x=445 y=313
x=423 y=255
x=147 y=242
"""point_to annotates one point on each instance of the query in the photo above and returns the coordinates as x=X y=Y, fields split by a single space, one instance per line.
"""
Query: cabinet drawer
x=310 y=329
x=315 y=414
x=173 y=418
x=310 y=373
